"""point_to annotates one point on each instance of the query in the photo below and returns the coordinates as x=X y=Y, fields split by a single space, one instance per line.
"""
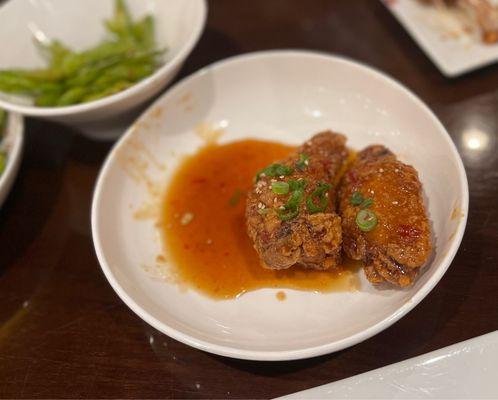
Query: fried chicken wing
x=392 y=235
x=290 y=212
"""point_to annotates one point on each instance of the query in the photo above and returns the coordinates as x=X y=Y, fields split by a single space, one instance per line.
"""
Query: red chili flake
x=226 y=253
x=408 y=231
x=198 y=180
x=186 y=246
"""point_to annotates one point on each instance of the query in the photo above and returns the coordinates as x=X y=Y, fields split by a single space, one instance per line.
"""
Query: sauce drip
x=204 y=230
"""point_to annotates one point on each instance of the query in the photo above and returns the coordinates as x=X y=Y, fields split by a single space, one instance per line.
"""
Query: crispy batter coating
x=312 y=240
x=399 y=245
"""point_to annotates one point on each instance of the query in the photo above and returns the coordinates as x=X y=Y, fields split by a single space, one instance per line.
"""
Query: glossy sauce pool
x=204 y=230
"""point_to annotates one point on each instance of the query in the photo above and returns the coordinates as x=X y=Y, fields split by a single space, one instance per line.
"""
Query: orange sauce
x=204 y=230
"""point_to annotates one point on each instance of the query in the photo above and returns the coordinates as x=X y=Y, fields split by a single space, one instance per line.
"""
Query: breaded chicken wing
x=384 y=221
x=290 y=212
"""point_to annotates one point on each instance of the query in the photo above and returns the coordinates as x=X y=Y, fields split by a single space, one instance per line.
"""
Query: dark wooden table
x=65 y=333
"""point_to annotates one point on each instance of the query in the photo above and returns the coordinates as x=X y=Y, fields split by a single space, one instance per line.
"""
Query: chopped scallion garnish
x=356 y=199
x=366 y=220
x=318 y=201
x=280 y=187
x=366 y=203
x=275 y=170
x=234 y=200
x=303 y=161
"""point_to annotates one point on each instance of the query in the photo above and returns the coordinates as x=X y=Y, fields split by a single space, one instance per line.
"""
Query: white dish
x=466 y=370
x=12 y=143
x=282 y=96
x=438 y=33
x=179 y=24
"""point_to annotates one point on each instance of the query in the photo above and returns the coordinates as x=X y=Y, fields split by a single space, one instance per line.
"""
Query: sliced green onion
x=280 y=187
x=275 y=170
x=291 y=209
x=303 y=161
x=287 y=215
x=366 y=203
x=366 y=220
x=295 y=199
x=298 y=184
x=356 y=199
x=234 y=200
x=319 y=195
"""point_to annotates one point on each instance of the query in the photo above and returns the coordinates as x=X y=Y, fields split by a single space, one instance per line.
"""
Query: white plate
x=12 y=143
x=435 y=34
x=466 y=370
x=283 y=96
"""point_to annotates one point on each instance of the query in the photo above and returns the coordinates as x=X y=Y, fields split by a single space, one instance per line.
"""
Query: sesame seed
x=381 y=170
x=395 y=202
x=187 y=218
x=209 y=241
x=282 y=176
x=396 y=170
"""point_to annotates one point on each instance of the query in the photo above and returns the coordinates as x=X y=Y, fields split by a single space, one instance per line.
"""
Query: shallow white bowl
x=12 y=142
x=179 y=24
x=283 y=96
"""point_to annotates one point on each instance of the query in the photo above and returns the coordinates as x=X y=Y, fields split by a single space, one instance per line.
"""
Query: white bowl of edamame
x=92 y=64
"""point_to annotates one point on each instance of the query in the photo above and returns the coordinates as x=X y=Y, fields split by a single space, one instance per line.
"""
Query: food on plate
x=482 y=14
x=3 y=153
x=384 y=221
x=126 y=57
x=203 y=226
x=290 y=211
x=236 y=220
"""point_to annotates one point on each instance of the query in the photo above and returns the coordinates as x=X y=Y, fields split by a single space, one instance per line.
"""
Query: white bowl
x=13 y=139
x=179 y=24
x=283 y=96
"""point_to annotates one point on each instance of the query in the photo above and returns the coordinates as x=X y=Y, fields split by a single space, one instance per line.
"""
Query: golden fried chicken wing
x=384 y=221
x=290 y=212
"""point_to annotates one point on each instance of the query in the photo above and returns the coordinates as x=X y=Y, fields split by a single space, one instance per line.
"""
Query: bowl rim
x=13 y=155
x=77 y=109
x=307 y=352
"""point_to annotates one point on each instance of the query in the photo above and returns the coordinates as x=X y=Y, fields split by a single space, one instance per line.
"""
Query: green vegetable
x=356 y=199
x=275 y=170
x=299 y=184
x=126 y=57
x=291 y=209
x=280 y=187
x=3 y=121
x=366 y=203
x=366 y=220
x=319 y=195
x=234 y=200
x=287 y=215
x=303 y=162
x=3 y=161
